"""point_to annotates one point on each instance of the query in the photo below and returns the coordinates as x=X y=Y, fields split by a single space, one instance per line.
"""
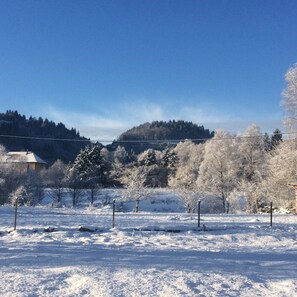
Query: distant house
x=24 y=161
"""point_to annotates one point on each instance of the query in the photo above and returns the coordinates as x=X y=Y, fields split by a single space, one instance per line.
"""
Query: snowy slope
x=238 y=255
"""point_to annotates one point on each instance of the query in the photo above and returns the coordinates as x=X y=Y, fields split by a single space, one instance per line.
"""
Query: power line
x=45 y=138
x=138 y=140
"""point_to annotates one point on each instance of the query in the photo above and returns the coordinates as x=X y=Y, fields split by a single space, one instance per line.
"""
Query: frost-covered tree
x=134 y=179
x=186 y=159
x=169 y=162
x=10 y=180
x=2 y=175
x=217 y=173
x=54 y=180
x=33 y=184
x=169 y=159
x=252 y=165
x=29 y=189
x=2 y=153
x=20 y=195
x=74 y=183
x=120 y=155
x=120 y=158
x=148 y=158
x=289 y=100
x=190 y=156
x=189 y=197
x=155 y=174
x=282 y=170
x=91 y=167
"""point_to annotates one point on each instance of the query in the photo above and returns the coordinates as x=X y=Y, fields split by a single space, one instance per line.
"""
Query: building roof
x=23 y=157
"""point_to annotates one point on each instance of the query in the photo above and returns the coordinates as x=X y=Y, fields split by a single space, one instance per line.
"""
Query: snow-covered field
x=237 y=255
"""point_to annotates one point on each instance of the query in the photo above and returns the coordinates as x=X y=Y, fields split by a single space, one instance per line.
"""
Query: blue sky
x=106 y=66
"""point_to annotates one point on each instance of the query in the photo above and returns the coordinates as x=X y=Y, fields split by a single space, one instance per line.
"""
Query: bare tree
x=74 y=183
x=134 y=181
x=54 y=181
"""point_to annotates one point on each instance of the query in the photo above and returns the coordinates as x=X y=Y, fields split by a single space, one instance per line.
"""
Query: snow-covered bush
x=24 y=196
x=238 y=202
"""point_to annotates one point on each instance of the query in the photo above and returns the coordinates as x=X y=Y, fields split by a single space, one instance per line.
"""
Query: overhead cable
x=137 y=140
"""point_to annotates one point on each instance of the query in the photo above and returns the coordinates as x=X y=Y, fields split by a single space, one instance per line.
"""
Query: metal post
x=113 y=213
x=15 y=212
x=270 y=214
x=199 y=202
x=137 y=205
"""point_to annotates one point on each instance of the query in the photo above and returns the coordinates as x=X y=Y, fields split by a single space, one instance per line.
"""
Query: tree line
x=250 y=165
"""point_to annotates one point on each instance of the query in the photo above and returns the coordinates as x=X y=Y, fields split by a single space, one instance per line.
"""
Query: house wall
x=25 y=167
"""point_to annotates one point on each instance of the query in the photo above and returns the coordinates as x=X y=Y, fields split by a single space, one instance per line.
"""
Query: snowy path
x=241 y=257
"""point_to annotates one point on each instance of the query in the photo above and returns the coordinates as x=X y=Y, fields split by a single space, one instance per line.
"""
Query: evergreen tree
x=267 y=142
x=276 y=138
x=91 y=166
x=149 y=158
x=169 y=159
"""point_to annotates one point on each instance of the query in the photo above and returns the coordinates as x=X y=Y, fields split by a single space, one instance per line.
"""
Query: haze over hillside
x=26 y=131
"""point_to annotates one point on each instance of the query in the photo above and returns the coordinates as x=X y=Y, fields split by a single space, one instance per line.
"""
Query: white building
x=24 y=161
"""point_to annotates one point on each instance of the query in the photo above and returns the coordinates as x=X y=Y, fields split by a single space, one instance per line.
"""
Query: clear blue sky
x=105 y=66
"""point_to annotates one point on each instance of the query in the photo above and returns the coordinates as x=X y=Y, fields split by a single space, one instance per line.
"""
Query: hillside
x=160 y=134
x=26 y=131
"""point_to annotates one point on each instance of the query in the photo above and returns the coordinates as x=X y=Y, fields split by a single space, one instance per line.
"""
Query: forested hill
x=163 y=132
x=14 y=124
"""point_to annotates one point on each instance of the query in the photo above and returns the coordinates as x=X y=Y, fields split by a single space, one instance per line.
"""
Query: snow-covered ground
x=237 y=255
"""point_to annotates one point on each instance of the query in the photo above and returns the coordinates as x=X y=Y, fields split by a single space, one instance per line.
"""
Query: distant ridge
x=161 y=134
x=51 y=141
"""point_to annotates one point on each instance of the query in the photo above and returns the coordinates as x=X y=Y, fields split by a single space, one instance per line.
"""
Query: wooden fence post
x=271 y=214
x=16 y=212
x=113 y=213
x=199 y=202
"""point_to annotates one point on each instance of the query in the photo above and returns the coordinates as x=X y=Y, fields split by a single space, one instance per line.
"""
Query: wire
x=44 y=138
x=140 y=140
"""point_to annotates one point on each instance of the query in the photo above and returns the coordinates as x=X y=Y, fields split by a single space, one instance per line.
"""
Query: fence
x=108 y=217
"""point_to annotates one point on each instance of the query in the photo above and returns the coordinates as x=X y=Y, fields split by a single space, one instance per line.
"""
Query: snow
x=146 y=254
x=27 y=157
